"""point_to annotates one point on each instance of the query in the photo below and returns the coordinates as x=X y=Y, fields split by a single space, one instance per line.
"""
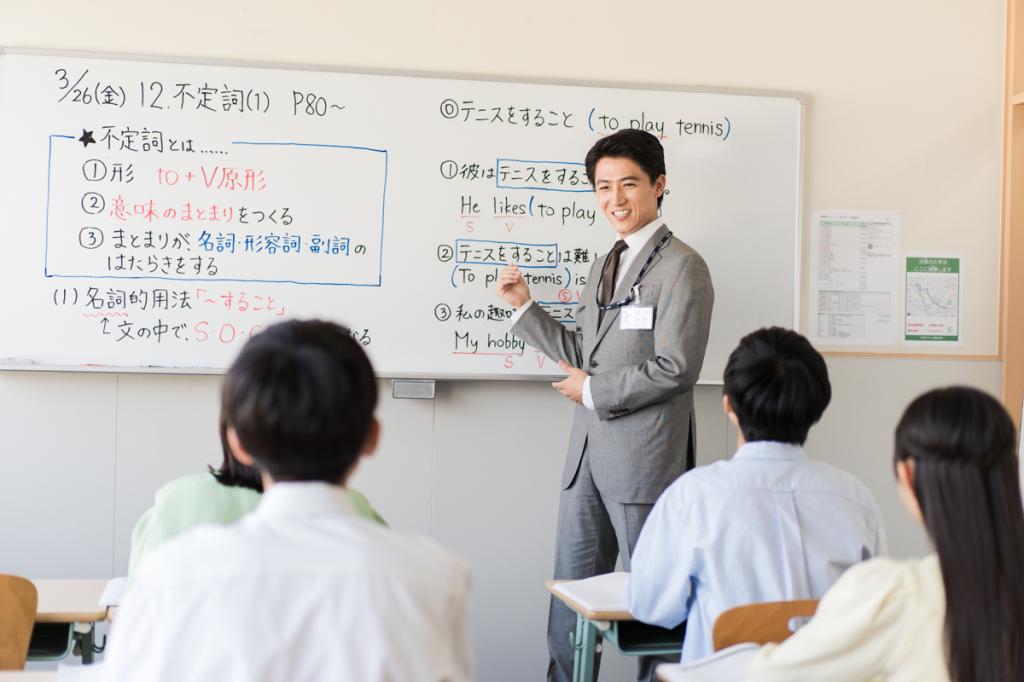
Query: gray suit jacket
x=642 y=381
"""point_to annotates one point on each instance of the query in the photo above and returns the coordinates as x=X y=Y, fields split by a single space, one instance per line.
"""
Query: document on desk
x=601 y=593
x=727 y=665
x=113 y=592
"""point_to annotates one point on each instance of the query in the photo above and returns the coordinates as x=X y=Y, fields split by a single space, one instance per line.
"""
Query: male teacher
x=632 y=361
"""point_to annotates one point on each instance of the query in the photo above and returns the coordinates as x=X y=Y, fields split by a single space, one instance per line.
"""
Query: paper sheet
x=113 y=592
x=726 y=665
x=605 y=592
x=933 y=291
x=855 y=278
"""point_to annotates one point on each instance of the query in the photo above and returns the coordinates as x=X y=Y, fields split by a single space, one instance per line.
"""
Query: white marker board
x=156 y=213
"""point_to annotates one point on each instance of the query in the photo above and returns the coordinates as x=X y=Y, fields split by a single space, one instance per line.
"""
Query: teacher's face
x=626 y=194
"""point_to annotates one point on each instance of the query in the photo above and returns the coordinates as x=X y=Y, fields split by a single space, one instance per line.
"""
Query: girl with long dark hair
x=956 y=615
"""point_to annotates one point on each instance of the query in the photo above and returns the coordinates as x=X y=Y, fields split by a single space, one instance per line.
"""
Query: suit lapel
x=622 y=290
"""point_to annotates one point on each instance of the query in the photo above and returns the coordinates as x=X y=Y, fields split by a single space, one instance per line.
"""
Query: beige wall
x=903 y=113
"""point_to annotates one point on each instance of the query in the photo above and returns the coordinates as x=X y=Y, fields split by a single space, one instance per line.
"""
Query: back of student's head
x=777 y=385
x=965 y=478
x=301 y=397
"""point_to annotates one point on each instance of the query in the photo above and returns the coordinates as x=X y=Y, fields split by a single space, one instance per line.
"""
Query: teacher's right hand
x=512 y=287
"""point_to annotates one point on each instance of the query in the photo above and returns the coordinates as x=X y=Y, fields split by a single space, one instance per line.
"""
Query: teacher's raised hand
x=512 y=287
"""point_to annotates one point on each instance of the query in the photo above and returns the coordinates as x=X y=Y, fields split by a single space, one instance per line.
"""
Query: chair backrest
x=767 y=622
x=18 y=601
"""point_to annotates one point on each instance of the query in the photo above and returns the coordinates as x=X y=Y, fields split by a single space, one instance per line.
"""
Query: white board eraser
x=418 y=389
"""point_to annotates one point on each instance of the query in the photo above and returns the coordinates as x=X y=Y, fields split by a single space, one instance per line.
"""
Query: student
x=221 y=496
x=770 y=523
x=302 y=588
x=955 y=615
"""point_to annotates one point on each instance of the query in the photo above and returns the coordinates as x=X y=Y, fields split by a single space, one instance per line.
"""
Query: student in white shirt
x=955 y=615
x=302 y=588
x=769 y=524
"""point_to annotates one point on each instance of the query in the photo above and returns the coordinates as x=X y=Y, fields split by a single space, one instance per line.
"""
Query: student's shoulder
x=199 y=486
x=363 y=507
x=200 y=498
x=701 y=482
x=839 y=482
x=410 y=557
x=420 y=548
x=185 y=485
x=895 y=579
x=723 y=473
x=189 y=553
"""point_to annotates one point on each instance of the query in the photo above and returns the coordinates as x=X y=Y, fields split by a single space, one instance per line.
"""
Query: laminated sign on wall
x=933 y=287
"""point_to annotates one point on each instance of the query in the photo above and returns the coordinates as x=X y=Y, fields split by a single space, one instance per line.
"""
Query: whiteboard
x=155 y=214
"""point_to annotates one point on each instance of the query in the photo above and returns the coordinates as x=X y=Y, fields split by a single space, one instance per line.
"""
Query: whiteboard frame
x=800 y=98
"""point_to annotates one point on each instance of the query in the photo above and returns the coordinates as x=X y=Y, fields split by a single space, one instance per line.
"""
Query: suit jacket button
x=593 y=363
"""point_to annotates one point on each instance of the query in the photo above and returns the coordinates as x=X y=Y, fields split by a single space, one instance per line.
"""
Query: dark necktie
x=608 y=275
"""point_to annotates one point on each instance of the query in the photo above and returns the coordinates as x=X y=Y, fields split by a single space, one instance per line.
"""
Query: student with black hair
x=769 y=524
x=955 y=615
x=222 y=495
x=302 y=588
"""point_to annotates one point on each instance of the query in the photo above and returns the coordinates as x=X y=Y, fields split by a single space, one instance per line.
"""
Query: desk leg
x=85 y=633
x=584 y=648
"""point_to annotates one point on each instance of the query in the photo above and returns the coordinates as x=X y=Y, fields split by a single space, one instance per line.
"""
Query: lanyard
x=640 y=275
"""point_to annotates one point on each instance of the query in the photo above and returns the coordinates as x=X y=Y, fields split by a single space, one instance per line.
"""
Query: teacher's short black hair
x=638 y=146
x=777 y=384
x=301 y=397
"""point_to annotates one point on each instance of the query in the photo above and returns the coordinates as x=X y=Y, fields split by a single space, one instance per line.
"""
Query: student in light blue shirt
x=769 y=524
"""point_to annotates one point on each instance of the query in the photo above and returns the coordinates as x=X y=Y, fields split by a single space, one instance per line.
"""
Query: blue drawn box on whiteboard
x=526 y=174
x=377 y=276
x=493 y=248
x=566 y=304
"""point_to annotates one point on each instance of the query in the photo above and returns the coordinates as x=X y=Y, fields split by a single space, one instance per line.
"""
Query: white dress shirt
x=769 y=524
x=300 y=589
x=883 y=620
x=634 y=241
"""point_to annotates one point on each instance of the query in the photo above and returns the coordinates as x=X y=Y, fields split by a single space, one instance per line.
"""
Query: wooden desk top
x=70 y=601
x=582 y=610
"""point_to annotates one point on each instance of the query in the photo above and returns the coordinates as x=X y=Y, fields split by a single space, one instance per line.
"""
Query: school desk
x=75 y=603
x=617 y=626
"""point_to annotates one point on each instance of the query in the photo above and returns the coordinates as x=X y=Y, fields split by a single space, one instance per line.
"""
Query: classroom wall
x=903 y=112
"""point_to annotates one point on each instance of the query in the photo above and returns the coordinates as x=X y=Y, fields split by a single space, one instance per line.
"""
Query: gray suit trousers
x=591 y=534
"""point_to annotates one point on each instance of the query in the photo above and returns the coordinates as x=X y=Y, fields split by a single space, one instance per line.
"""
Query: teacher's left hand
x=571 y=386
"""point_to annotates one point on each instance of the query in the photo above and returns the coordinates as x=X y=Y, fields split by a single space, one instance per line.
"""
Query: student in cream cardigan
x=955 y=615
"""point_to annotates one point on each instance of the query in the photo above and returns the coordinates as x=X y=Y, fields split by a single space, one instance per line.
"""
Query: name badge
x=636 y=317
